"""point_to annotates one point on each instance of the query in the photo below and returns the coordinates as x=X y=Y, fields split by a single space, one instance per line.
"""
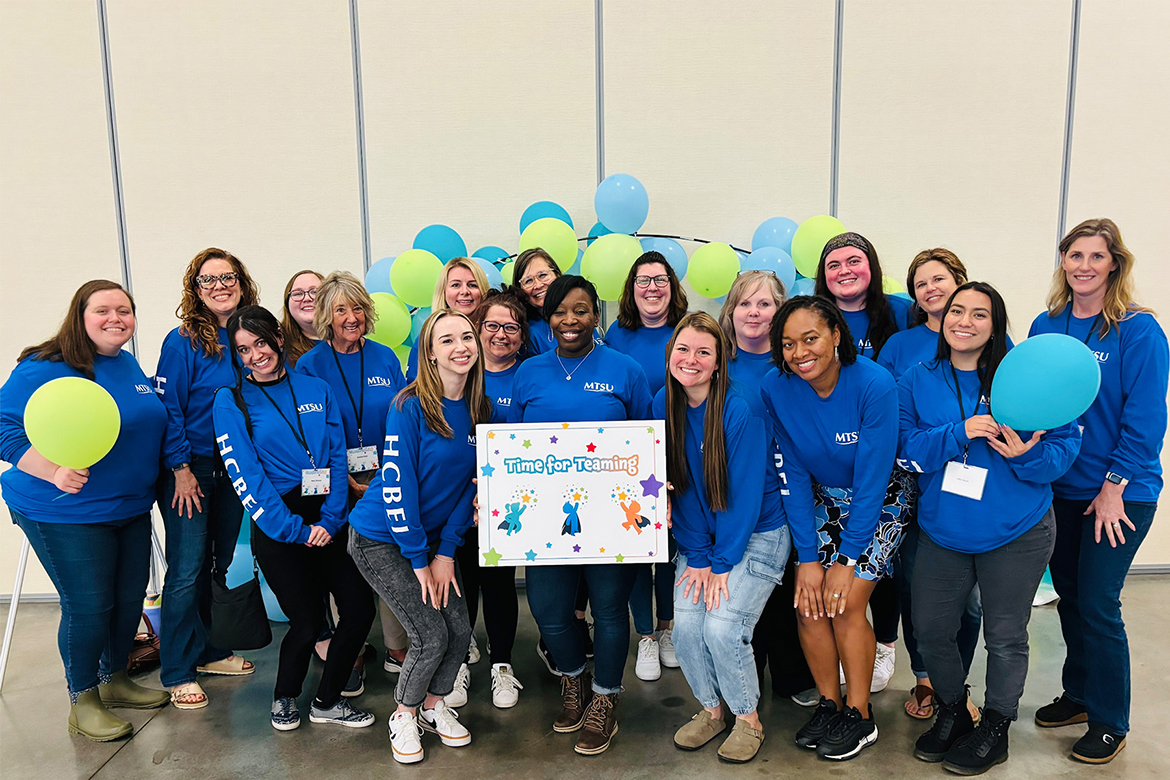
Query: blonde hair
x=439 y=300
x=743 y=284
x=341 y=286
x=196 y=320
x=296 y=343
x=1119 y=302
x=428 y=385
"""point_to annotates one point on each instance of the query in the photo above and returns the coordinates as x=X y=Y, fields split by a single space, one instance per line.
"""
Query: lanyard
x=1068 y=323
x=361 y=402
x=300 y=438
x=959 y=396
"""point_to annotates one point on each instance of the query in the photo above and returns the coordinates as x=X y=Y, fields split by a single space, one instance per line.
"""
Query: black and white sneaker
x=356 y=685
x=811 y=733
x=849 y=735
x=546 y=656
x=285 y=715
x=1098 y=746
x=342 y=713
x=983 y=748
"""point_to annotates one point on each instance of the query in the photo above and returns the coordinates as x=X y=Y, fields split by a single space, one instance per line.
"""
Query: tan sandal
x=189 y=696
x=232 y=666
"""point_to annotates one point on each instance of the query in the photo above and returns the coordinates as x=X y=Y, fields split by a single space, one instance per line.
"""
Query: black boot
x=983 y=748
x=951 y=723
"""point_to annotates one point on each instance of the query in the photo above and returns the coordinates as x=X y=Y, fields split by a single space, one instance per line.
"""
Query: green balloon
x=607 y=262
x=809 y=241
x=506 y=271
x=553 y=236
x=72 y=421
x=403 y=353
x=393 y=324
x=413 y=275
x=712 y=269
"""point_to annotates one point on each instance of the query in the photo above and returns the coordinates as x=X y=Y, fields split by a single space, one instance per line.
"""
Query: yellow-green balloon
x=553 y=236
x=72 y=421
x=607 y=262
x=506 y=271
x=403 y=353
x=712 y=269
x=891 y=285
x=413 y=275
x=809 y=241
x=394 y=322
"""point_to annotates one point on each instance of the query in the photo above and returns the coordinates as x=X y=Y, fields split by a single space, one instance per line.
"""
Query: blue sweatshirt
x=747 y=374
x=497 y=385
x=1124 y=428
x=186 y=381
x=412 y=363
x=371 y=393
x=858 y=322
x=605 y=385
x=647 y=346
x=848 y=440
x=1017 y=491
x=121 y=485
x=423 y=493
x=718 y=539
x=268 y=464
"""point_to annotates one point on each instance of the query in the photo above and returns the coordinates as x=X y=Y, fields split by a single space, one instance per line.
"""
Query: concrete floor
x=232 y=737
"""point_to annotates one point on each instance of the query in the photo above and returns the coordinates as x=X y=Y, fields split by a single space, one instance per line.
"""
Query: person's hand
x=669 y=521
x=717 y=586
x=1110 y=510
x=70 y=480
x=1012 y=446
x=187 y=492
x=810 y=578
x=318 y=537
x=838 y=582
x=981 y=426
x=694 y=578
x=475 y=504
x=358 y=488
x=427 y=584
x=443 y=575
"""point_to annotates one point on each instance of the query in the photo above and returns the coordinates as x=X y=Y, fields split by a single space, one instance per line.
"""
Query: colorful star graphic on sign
x=565 y=426
x=651 y=486
x=619 y=557
x=530 y=555
x=576 y=548
x=591 y=447
x=491 y=434
x=495 y=513
x=552 y=439
x=492 y=558
x=527 y=443
x=487 y=469
x=548 y=545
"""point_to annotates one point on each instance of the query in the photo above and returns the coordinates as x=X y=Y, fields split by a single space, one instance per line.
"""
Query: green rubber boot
x=90 y=718
x=121 y=691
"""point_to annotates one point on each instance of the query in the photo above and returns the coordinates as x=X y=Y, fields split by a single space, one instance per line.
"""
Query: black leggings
x=885 y=608
x=501 y=608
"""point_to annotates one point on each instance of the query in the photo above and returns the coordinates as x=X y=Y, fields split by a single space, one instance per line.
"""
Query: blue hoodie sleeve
x=641 y=401
x=251 y=484
x=877 y=447
x=1145 y=364
x=747 y=457
x=1051 y=457
x=334 y=511
x=14 y=397
x=924 y=450
x=173 y=382
x=400 y=480
x=458 y=522
x=795 y=488
x=412 y=363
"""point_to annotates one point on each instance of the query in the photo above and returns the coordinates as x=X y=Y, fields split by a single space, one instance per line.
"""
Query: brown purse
x=144 y=652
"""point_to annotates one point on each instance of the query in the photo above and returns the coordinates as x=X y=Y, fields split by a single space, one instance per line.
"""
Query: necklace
x=568 y=373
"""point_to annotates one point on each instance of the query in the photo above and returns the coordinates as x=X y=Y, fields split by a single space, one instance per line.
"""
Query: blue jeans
x=194 y=546
x=100 y=571
x=655 y=579
x=715 y=647
x=1088 y=577
x=552 y=595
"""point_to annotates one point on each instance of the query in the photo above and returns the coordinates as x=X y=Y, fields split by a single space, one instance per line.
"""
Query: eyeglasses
x=207 y=281
x=544 y=277
x=758 y=271
x=510 y=328
x=297 y=295
x=659 y=281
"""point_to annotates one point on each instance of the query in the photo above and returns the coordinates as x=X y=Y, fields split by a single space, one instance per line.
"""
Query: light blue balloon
x=378 y=277
x=1045 y=382
x=670 y=249
x=271 y=606
x=492 y=253
x=621 y=203
x=903 y=295
x=776 y=232
x=542 y=209
x=597 y=231
x=804 y=286
x=774 y=259
x=575 y=268
x=490 y=270
x=417 y=318
x=441 y=241
x=241 y=569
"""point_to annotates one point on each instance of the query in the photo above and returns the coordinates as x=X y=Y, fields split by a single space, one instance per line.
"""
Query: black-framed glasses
x=544 y=277
x=510 y=328
x=661 y=280
x=298 y=295
x=207 y=281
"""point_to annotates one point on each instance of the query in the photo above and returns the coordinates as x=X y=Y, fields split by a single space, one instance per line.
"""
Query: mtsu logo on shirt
x=379 y=381
x=306 y=408
x=1101 y=356
x=144 y=389
x=471 y=439
x=846 y=437
x=504 y=401
x=598 y=387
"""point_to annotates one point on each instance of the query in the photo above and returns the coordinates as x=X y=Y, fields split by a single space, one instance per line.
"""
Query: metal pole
x=1070 y=104
x=16 y=589
x=599 y=39
x=360 y=113
x=835 y=138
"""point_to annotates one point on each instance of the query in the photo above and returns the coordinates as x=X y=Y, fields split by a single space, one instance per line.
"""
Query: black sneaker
x=983 y=748
x=586 y=629
x=818 y=726
x=849 y=735
x=1063 y=711
x=1098 y=746
x=546 y=656
x=952 y=722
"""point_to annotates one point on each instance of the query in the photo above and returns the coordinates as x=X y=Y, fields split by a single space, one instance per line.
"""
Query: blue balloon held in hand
x=1044 y=383
x=621 y=203
x=774 y=259
x=777 y=232
x=542 y=209
x=441 y=241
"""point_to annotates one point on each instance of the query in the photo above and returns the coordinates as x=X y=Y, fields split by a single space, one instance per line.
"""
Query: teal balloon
x=803 y=286
x=441 y=241
x=774 y=260
x=241 y=569
x=417 y=319
x=493 y=253
x=490 y=271
x=670 y=249
x=378 y=277
x=271 y=605
x=542 y=209
x=1045 y=382
x=597 y=231
x=575 y=269
x=777 y=232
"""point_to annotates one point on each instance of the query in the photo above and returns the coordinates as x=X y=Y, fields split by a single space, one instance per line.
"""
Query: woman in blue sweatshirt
x=985 y=514
x=729 y=526
x=1106 y=502
x=408 y=525
x=652 y=304
x=282 y=443
x=581 y=380
x=90 y=528
x=195 y=362
x=835 y=421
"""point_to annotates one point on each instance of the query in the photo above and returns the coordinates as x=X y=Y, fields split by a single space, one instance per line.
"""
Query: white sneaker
x=458 y=696
x=883 y=668
x=405 y=738
x=666 y=654
x=648 y=667
x=841 y=669
x=473 y=651
x=444 y=721
x=505 y=686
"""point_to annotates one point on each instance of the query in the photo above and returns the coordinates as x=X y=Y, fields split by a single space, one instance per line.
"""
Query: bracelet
x=444 y=558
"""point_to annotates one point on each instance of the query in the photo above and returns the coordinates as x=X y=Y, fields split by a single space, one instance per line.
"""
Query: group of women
x=835 y=452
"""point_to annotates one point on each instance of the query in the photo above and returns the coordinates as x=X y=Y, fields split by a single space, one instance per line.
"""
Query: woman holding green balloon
x=460 y=287
x=83 y=497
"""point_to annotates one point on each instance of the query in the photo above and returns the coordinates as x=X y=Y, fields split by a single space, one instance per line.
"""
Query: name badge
x=963 y=480
x=314 y=482
x=362 y=459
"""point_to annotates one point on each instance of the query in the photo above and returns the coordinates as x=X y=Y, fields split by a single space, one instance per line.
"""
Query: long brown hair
x=628 y=315
x=521 y=268
x=714 y=439
x=878 y=313
x=937 y=255
x=296 y=343
x=196 y=320
x=71 y=345
x=428 y=386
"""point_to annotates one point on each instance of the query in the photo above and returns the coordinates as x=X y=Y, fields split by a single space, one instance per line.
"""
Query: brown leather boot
x=600 y=725
x=576 y=695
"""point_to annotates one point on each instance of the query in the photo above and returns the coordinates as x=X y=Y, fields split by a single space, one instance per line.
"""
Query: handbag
x=144 y=652
x=239 y=620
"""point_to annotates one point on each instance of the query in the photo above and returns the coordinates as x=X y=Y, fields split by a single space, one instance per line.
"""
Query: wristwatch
x=1116 y=479
x=845 y=560
x=180 y=467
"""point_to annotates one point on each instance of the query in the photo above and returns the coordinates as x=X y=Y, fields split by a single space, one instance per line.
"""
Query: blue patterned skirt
x=831 y=507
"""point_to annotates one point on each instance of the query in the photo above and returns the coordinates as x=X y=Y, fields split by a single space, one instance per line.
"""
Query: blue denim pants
x=1088 y=577
x=654 y=583
x=100 y=571
x=714 y=647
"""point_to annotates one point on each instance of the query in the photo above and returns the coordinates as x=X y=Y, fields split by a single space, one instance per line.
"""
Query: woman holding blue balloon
x=985 y=514
x=460 y=287
x=1106 y=502
x=90 y=527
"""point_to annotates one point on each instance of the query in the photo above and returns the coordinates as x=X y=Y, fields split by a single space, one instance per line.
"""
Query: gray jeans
x=1007 y=577
x=438 y=637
